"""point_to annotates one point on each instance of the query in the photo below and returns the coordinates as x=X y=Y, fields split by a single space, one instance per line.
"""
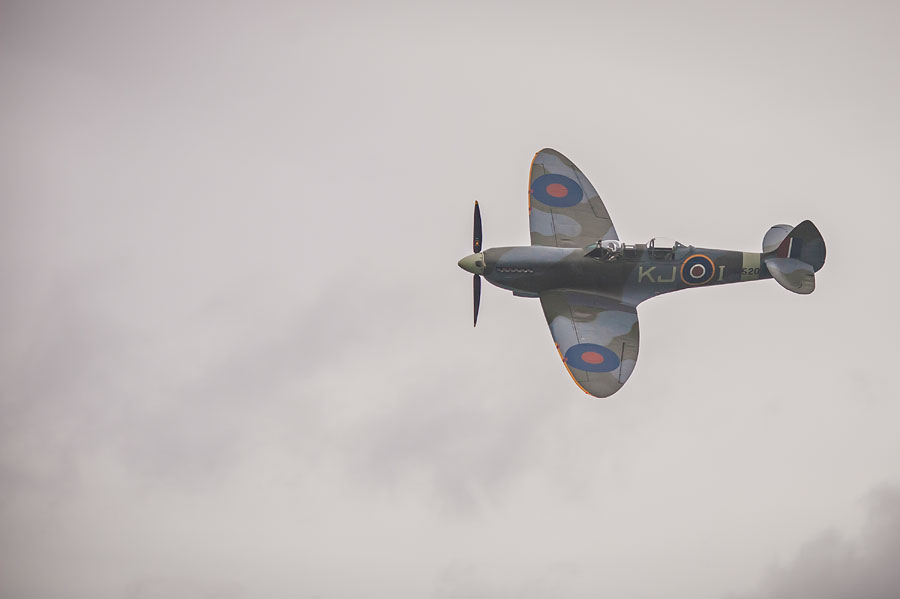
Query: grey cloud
x=463 y=580
x=834 y=566
x=468 y=444
x=167 y=588
x=176 y=413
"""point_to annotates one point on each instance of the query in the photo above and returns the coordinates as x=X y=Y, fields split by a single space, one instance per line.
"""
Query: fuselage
x=639 y=272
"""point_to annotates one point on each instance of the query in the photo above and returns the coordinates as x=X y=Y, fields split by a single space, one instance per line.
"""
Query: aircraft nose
x=473 y=263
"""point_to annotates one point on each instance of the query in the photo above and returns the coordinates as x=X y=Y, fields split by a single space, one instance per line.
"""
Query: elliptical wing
x=564 y=209
x=597 y=338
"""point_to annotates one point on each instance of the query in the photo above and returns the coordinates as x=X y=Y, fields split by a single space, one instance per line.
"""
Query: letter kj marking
x=642 y=274
x=671 y=279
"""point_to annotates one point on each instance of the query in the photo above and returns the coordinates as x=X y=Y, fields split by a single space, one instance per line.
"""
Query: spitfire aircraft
x=590 y=283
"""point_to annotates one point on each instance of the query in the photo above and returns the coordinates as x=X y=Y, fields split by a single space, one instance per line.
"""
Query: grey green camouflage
x=590 y=284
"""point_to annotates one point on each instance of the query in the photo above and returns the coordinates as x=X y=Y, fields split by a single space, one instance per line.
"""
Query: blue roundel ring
x=697 y=270
x=558 y=191
x=592 y=358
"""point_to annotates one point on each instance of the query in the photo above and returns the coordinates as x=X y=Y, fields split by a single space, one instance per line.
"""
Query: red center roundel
x=592 y=357
x=697 y=270
x=557 y=190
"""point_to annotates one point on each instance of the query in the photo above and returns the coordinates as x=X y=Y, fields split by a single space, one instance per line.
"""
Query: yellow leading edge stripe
x=561 y=357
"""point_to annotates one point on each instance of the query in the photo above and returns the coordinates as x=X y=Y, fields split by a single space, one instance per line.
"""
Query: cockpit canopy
x=663 y=247
x=613 y=246
x=659 y=248
x=664 y=243
x=609 y=249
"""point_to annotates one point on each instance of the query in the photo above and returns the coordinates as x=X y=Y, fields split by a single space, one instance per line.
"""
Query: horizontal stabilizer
x=793 y=274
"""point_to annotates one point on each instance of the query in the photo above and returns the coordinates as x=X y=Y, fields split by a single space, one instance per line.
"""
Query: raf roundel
x=697 y=270
x=592 y=358
x=557 y=191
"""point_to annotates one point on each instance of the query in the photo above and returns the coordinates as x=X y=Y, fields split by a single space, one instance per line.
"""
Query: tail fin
x=797 y=256
x=775 y=236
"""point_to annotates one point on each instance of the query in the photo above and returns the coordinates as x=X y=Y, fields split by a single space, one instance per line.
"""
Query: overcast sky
x=236 y=357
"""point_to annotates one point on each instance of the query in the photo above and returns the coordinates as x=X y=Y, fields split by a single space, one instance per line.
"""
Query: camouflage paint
x=590 y=303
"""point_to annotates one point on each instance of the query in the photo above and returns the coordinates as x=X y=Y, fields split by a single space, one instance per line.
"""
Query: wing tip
x=550 y=151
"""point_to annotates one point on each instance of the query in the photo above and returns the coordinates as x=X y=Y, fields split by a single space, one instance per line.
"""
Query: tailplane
x=793 y=255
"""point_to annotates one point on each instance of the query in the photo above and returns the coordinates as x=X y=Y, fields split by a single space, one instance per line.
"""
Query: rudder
x=804 y=243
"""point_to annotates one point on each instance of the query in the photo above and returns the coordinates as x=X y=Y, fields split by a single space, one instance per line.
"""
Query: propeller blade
x=476 y=236
x=476 y=293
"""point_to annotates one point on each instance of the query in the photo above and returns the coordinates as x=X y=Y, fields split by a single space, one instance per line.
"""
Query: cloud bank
x=834 y=566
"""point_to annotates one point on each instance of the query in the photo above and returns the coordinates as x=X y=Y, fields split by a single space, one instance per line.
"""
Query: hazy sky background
x=236 y=357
